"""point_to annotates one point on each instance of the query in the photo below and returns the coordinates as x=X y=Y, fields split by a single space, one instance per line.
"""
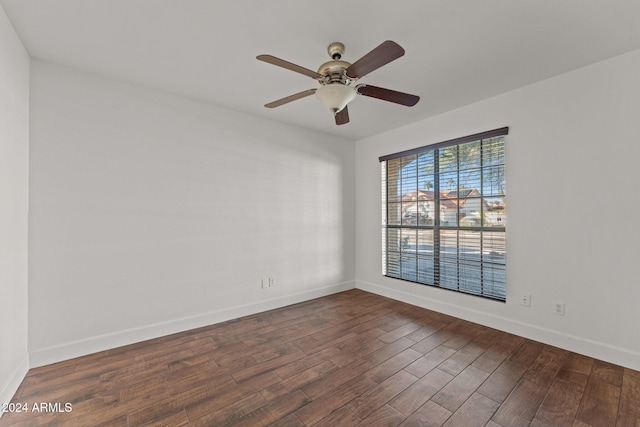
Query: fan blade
x=289 y=66
x=290 y=98
x=381 y=55
x=388 y=95
x=342 y=116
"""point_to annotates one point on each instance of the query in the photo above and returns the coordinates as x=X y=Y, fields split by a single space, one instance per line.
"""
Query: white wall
x=14 y=189
x=152 y=214
x=572 y=160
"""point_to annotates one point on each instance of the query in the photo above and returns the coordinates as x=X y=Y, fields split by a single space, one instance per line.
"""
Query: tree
x=488 y=154
x=450 y=183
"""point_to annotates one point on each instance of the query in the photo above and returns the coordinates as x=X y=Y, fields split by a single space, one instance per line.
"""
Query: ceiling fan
x=338 y=79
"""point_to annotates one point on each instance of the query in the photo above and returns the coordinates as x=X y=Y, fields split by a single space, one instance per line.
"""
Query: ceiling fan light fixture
x=335 y=96
x=337 y=79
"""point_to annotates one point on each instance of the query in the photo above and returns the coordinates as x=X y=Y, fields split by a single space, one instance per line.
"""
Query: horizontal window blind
x=444 y=215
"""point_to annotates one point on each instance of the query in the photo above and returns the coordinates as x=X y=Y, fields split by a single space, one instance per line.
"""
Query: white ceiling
x=457 y=51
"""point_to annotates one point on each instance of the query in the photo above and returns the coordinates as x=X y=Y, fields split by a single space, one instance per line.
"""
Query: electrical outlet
x=272 y=282
x=525 y=299
x=558 y=308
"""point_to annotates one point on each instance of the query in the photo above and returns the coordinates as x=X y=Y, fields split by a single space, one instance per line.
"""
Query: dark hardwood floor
x=352 y=358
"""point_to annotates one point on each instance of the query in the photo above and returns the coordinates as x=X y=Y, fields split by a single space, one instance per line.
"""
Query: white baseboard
x=598 y=350
x=9 y=388
x=91 y=345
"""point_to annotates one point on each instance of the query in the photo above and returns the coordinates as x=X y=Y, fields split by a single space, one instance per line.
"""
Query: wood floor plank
x=521 y=405
x=39 y=379
x=273 y=411
x=429 y=361
x=385 y=416
x=457 y=363
x=433 y=341
x=419 y=393
x=429 y=415
x=474 y=412
x=599 y=405
x=300 y=365
x=343 y=417
x=629 y=409
x=576 y=367
x=252 y=371
x=489 y=360
x=176 y=419
x=122 y=421
x=290 y=420
x=328 y=403
x=230 y=413
x=399 y=332
x=607 y=372
x=392 y=365
x=388 y=351
x=463 y=334
x=502 y=381
x=352 y=358
x=228 y=395
x=358 y=347
x=295 y=382
x=561 y=403
x=460 y=388
x=370 y=401
x=527 y=353
x=546 y=366
x=324 y=342
x=428 y=328
x=336 y=379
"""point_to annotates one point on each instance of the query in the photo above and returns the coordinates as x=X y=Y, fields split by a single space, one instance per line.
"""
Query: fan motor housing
x=334 y=71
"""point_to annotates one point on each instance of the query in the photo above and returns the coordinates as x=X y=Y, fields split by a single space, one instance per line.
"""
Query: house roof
x=449 y=199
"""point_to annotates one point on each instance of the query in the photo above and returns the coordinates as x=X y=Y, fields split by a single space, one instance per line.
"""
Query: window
x=444 y=215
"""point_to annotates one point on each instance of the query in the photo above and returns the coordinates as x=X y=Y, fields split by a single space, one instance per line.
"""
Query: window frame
x=475 y=265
